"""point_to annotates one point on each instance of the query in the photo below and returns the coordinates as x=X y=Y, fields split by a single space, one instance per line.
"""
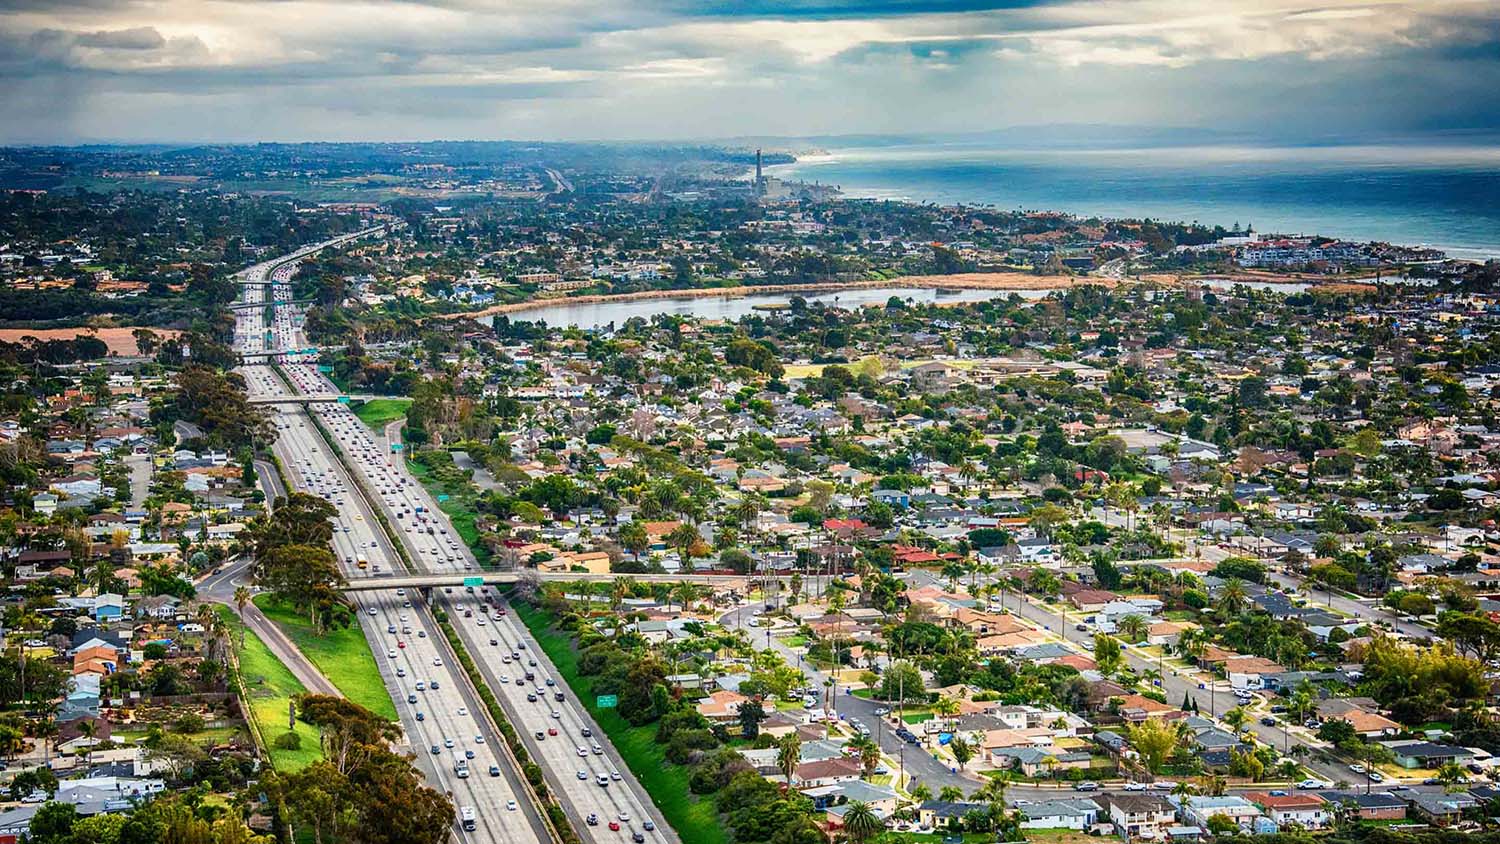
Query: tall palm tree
x=788 y=755
x=861 y=823
x=241 y=598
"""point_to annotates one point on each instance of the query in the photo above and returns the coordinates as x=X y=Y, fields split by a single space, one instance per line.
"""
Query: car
x=411 y=698
x=1311 y=785
x=400 y=644
x=624 y=816
x=614 y=775
x=391 y=653
x=531 y=697
x=494 y=770
x=592 y=819
x=1086 y=786
x=539 y=735
x=614 y=826
x=1376 y=776
x=648 y=826
x=1164 y=785
x=436 y=750
x=479 y=739
x=549 y=682
x=437 y=660
x=433 y=684
x=1268 y=721
x=421 y=634
x=583 y=751
x=463 y=710
x=447 y=742
x=493 y=643
x=1358 y=768
x=587 y=732
x=468 y=754
x=400 y=672
x=510 y=805
x=638 y=838
x=583 y=775
x=421 y=716
x=551 y=731
x=1135 y=786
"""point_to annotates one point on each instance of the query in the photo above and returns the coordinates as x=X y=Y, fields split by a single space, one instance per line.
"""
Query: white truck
x=466 y=817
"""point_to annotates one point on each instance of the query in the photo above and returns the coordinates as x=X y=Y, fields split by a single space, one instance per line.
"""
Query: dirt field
x=121 y=341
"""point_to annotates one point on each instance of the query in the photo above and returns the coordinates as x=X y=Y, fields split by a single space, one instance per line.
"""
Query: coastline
x=957 y=281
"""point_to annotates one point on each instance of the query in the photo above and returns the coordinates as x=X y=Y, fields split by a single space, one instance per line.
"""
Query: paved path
x=270 y=482
x=220 y=588
x=482 y=477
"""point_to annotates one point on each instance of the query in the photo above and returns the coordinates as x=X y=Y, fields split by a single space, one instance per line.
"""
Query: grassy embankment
x=696 y=820
x=343 y=656
x=270 y=688
x=378 y=413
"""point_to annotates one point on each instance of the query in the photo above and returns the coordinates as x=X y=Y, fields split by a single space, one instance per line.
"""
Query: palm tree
x=1236 y=719
x=241 y=598
x=1232 y=597
x=951 y=794
x=1184 y=789
x=920 y=793
x=861 y=823
x=1133 y=628
x=869 y=754
x=788 y=755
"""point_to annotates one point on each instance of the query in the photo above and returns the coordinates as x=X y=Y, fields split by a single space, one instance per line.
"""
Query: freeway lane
x=435 y=705
x=435 y=547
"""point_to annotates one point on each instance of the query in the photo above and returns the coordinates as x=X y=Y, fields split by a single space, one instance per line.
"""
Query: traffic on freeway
x=604 y=801
x=450 y=737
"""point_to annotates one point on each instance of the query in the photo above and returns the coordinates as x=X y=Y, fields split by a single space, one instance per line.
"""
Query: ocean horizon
x=1445 y=196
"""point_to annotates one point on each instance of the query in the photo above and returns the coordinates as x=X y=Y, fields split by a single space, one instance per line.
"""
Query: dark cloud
x=139 y=38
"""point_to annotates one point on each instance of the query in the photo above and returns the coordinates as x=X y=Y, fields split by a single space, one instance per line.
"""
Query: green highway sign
x=324 y=368
x=607 y=701
x=473 y=581
x=343 y=399
x=441 y=497
x=395 y=446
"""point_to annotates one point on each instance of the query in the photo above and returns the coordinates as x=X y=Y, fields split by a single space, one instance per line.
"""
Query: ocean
x=1442 y=196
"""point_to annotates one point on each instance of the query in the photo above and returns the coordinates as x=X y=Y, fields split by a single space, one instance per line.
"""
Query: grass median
x=271 y=688
x=696 y=820
x=343 y=656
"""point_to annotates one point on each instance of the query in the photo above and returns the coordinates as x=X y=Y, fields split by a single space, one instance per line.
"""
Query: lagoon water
x=597 y=314
x=1444 y=196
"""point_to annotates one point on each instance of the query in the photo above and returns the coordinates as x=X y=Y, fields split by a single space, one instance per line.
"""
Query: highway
x=499 y=643
x=435 y=703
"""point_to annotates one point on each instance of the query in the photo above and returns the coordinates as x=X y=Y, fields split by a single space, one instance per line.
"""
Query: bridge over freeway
x=317 y=398
x=245 y=306
x=498 y=578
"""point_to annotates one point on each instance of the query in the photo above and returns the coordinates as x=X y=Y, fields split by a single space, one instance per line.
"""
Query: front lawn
x=343 y=656
x=696 y=820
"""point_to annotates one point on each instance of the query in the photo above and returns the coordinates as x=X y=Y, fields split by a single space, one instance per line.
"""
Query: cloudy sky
x=246 y=70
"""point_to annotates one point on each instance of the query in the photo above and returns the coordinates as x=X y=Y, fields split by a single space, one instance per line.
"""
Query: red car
x=400 y=644
x=551 y=731
x=614 y=825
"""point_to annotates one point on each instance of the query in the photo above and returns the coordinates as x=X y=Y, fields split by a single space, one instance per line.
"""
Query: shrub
x=288 y=741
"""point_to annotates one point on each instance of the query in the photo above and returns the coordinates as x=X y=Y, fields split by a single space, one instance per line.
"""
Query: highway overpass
x=497 y=578
x=316 y=398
